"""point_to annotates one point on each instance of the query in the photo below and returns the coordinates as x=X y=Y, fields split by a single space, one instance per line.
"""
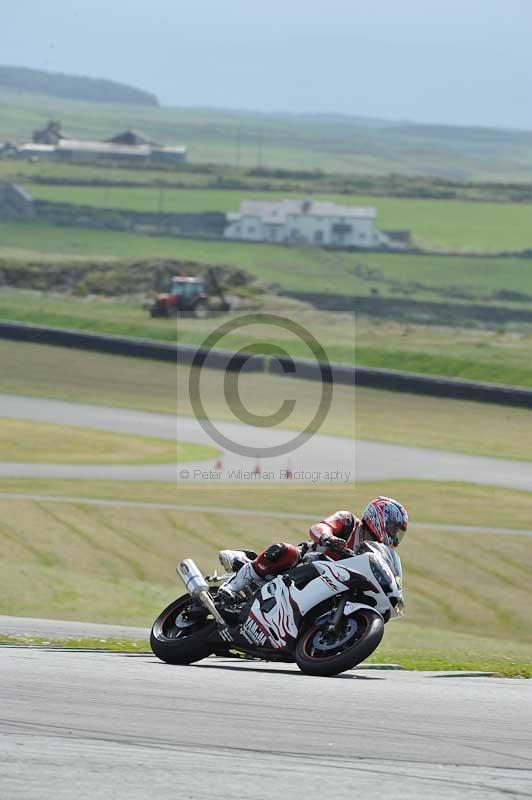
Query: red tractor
x=189 y=297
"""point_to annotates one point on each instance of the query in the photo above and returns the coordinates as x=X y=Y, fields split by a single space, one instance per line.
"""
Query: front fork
x=332 y=627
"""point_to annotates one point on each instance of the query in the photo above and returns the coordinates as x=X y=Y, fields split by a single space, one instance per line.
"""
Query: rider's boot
x=245 y=580
x=233 y=560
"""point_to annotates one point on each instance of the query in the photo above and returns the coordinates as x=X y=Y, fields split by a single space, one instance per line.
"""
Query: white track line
x=242 y=512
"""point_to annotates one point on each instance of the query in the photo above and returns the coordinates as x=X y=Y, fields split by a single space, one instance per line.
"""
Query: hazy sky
x=454 y=61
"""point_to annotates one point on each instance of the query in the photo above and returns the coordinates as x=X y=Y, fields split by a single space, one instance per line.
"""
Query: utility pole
x=259 y=149
x=238 y=144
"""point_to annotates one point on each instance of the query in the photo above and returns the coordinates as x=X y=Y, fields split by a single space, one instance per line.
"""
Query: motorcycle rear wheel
x=177 y=641
x=359 y=635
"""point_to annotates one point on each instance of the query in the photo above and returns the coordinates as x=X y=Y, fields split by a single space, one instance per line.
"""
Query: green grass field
x=368 y=414
x=467 y=605
x=43 y=171
x=298 y=269
x=435 y=224
x=332 y=143
x=496 y=356
x=22 y=440
x=294 y=269
x=224 y=176
x=439 y=502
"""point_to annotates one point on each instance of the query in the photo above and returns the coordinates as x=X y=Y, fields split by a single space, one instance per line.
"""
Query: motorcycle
x=324 y=615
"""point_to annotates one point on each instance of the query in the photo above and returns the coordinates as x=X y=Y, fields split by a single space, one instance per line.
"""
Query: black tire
x=159 y=311
x=351 y=650
x=180 y=645
x=201 y=310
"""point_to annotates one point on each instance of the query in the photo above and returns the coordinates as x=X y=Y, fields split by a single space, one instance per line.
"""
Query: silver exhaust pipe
x=198 y=588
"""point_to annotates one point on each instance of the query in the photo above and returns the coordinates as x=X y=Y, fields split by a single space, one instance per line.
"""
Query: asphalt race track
x=353 y=459
x=91 y=725
x=95 y=725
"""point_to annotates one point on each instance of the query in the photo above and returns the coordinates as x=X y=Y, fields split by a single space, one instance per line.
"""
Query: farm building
x=128 y=146
x=323 y=224
x=36 y=150
x=50 y=134
x=84 y=150
x=14 y=202
x=7 y=150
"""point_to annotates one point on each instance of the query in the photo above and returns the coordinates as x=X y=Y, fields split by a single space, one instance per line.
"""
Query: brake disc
x=182 y=622
x=320 y=639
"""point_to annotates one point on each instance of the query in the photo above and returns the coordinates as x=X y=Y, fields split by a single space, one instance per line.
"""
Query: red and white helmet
x=386 y=519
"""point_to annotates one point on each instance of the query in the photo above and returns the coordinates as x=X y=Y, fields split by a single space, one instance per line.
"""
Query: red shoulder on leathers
x=342 y=525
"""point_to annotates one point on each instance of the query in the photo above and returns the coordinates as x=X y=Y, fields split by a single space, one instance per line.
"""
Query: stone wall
x=15 y=202
x=208 y=223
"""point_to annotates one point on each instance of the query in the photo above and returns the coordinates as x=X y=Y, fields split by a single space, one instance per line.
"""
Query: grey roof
x=279 y=212
x=12 y=192
x=169 y=149
x=101 y=148
x=15 y=187
x=83 y=145
x=36 y=147
x=129 y=137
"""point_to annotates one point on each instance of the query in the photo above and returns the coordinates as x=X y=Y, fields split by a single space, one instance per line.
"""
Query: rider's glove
x=333 y=542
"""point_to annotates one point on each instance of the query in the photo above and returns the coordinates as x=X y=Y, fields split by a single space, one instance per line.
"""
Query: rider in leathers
x=383 y=520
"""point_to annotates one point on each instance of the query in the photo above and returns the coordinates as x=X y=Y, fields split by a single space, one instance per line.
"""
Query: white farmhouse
x=306 y=222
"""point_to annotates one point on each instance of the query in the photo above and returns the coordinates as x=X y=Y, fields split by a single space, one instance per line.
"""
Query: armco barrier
x=117 y=345
x=391 y=380
x=312 y=370
x=125 y=346
x=454 y=388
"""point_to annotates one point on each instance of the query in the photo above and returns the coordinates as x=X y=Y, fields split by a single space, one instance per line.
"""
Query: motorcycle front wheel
x=177 y=639
x=321 y=653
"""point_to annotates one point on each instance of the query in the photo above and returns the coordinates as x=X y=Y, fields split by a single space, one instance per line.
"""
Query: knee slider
x=274 y=552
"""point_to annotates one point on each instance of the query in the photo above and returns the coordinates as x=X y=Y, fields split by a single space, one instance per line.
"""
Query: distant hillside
x=296 y=142
x=73 y=87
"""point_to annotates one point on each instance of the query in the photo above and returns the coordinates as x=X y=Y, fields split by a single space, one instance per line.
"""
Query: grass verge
x=87 y=643
x=335 y=332
x=43 y=442
x=423 y=648
x=411 y=647
x=453 y=425
x=44 y=371
x=397 y=418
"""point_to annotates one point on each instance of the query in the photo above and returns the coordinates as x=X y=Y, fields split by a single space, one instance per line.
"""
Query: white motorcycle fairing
x=274 y=618
x=326 y=616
